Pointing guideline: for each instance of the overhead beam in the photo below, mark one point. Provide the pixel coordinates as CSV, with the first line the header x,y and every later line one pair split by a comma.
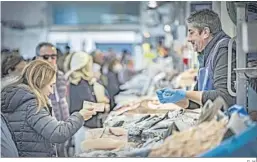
x,y
109,27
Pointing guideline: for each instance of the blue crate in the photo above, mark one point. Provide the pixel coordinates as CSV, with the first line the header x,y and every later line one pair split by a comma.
x,y
242,145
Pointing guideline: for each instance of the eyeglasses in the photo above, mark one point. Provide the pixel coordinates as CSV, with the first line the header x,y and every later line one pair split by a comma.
x,y
46,57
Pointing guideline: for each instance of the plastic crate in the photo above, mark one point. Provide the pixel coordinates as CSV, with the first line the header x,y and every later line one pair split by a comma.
x,y
242,145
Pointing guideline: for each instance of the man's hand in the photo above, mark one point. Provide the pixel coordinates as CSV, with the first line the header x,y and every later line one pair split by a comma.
x,y
183,103
170,95
87,113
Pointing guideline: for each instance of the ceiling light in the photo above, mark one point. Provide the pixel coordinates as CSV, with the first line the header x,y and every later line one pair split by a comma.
x,y
152,4
167,28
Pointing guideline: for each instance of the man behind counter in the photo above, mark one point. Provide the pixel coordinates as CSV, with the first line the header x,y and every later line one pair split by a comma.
x,y
209,40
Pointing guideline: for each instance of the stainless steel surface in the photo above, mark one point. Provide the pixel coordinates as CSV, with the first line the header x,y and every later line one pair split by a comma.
x,y
249,72
232,9
230,44
216,7
212,109
249,39
241,85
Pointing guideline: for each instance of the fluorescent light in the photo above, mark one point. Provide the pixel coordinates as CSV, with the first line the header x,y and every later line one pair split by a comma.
x,y
152,4
167,28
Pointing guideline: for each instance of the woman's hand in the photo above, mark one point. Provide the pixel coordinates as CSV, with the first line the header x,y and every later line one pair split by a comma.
x,y
107,105
107,108
87,113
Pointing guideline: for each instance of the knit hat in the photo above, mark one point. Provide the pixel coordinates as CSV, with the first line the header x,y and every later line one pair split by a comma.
x,y
78,66
77,61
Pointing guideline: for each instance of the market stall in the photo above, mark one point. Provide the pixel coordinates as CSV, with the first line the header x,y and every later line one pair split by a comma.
x,y
172,132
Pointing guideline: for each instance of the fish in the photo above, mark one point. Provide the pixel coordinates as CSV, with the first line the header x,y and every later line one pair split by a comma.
x,y
118,124
163,124
150,134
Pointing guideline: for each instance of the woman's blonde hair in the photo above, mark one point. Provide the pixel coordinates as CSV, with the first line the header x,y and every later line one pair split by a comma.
x,y
37,75
79,66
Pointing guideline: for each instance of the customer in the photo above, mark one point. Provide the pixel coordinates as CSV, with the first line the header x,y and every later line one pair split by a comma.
x,y
12,64
209,40
98,57
46,51
84,87
127,71
8,147
113,84
11,68
27,109
60,60
98,62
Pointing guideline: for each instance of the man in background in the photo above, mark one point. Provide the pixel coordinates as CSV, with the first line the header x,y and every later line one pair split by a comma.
x,y
47,51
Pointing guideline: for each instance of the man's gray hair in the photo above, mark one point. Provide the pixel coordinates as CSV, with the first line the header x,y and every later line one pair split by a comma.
x,y
42,44
205,18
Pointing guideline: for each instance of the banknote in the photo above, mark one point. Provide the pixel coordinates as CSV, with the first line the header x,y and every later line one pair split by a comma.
x,y
99,107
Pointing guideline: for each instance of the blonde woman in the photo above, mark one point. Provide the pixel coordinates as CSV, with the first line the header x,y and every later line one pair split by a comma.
x,y
27,109
84,87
